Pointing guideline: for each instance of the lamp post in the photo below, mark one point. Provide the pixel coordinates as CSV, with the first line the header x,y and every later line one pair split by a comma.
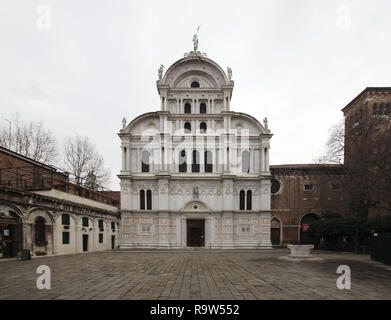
x,y
9,134
357,244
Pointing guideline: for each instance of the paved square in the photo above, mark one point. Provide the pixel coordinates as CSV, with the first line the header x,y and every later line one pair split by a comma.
x,y
195,275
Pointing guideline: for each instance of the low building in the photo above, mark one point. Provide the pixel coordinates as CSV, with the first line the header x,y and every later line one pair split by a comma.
x,y
41,210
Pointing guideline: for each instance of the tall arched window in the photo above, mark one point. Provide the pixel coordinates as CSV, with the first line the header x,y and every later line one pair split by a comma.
x,y
203,107
40,231
142,200
145,161
187,107
246,161
249,199
195,166
242,196
187,127
182,161
208,161
202,127
149,200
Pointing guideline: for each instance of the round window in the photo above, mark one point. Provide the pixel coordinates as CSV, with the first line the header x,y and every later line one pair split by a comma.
x,y
195,84
275,186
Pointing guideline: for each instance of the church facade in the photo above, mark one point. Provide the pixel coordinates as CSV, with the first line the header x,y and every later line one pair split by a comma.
x,y
195,173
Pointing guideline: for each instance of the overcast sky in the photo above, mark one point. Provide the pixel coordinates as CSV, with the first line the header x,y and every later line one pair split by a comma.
x,y
298,62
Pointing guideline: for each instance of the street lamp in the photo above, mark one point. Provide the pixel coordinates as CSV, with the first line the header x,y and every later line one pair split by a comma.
x,y
9,134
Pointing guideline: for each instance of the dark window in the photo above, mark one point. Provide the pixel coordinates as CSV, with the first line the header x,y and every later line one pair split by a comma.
x,y
65,237
275,187
195,166
65,219
100,225
85,222
100,237
40,231
246,161
202,127
182,161
335,186
187,127
187,107
145,161
113,226
249,199
149,200
208,161
195,84
242,196
203,107
142,200
308,187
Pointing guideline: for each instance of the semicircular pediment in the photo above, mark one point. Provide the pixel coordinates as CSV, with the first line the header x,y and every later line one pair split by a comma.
x,y
195,206
210,72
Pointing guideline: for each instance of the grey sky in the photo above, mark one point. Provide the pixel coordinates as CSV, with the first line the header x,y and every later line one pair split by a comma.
x,y
302,61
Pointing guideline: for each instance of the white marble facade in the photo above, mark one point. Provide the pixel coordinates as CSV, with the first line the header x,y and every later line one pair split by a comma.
x,y
195,173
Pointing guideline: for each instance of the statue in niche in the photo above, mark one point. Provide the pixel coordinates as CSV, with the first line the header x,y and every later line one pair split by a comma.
x,y
195,192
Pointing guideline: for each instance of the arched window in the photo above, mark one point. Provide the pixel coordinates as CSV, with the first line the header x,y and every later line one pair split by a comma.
x,y
187,127
142,200
202,127
187,107
246,161
249,199
208,161
182,161
195,84
203,107
242,196
149,200
40,231
145,161
195,166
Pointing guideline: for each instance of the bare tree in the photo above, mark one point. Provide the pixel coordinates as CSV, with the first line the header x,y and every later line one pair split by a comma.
x,y
85,163
31,140
335,145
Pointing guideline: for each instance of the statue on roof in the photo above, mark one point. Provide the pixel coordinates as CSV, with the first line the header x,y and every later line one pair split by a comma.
x,y
195,42
229,71
160,72
123,123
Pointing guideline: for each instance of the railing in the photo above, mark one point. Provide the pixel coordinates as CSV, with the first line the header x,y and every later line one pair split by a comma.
x,y
35,178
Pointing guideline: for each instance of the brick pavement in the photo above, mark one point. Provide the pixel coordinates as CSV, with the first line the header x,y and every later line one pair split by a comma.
x,y
195,275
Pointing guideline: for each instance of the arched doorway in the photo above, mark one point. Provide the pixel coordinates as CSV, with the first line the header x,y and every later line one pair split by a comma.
x,y
275,231
305,222
10,232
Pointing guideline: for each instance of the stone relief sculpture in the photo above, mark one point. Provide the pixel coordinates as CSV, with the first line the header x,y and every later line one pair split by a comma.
x,y
160,72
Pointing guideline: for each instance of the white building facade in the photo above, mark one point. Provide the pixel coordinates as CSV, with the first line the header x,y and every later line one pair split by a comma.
x,y
195,173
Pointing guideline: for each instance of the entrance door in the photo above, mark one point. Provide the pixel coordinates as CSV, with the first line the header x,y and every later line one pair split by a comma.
x,y
275,236
112,242
85,242
9,246
195,233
